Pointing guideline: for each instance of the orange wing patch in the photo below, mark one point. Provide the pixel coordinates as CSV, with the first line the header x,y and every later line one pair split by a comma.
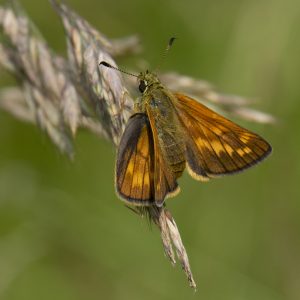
x,y
215,145
134,167
142,178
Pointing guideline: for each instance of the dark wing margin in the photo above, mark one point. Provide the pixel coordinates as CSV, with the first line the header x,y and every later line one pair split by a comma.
x,y
134,165
216,146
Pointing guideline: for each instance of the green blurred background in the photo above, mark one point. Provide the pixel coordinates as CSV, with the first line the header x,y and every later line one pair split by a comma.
x,y
65,235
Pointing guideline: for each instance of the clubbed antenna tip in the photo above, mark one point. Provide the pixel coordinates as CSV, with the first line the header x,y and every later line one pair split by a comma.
x,y
171,41
104,63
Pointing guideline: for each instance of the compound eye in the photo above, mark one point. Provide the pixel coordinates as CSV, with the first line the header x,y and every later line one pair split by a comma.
x,y
142,86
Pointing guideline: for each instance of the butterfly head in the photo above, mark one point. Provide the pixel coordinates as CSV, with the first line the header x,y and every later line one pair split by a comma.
x,y
147,79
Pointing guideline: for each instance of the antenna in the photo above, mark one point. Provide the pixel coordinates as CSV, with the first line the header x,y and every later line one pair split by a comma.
x,y
106,64
170,43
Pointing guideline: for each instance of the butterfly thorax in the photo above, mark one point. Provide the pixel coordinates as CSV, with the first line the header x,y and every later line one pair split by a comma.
x,y
158,103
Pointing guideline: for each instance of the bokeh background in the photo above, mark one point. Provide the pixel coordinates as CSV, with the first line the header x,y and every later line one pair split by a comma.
x,y
65,235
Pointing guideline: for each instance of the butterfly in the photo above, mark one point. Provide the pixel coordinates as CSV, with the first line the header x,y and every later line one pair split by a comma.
x,y
169,132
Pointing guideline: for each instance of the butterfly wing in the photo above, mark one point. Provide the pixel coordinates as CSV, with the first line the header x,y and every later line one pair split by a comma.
x,y
141,177
216,146
135,162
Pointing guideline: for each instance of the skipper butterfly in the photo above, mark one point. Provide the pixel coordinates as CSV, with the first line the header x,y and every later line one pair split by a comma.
x,y
169,132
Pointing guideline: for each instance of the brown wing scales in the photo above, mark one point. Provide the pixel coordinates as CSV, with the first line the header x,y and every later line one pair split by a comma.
x,y
215,145
142,177
134,166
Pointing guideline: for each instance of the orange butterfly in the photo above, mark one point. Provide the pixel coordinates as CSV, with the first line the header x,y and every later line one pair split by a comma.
x,y
169,132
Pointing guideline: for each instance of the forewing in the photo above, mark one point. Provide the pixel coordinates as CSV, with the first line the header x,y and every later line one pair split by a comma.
x,y
214,145
135,162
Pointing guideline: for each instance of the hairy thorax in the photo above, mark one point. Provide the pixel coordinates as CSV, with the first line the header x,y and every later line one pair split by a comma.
x,y
159,105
